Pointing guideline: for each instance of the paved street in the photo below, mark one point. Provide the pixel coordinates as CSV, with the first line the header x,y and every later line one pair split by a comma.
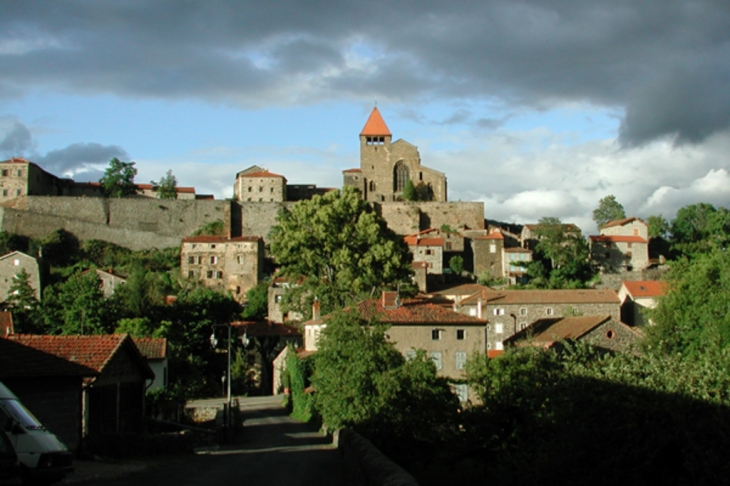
x,y
272,449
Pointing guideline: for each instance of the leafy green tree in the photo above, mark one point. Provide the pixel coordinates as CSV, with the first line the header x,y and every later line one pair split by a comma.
x,y
118,179
424,192
60,248
409,191
141,327
167,187
77,306
10,242
362,381
339,248
609,209
257,302
456,264
658,226
698,228
561,257
23,304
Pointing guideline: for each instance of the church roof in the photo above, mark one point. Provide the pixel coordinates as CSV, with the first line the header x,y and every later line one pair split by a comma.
x,y
375,125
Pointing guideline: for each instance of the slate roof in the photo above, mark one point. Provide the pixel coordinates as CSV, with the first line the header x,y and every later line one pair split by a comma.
x,y
375,125
618,238
152,348
552,329
560,296
94,351
463,289
20,361
645,288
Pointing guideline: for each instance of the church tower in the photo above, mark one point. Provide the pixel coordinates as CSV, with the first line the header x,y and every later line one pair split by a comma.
x,y
375,139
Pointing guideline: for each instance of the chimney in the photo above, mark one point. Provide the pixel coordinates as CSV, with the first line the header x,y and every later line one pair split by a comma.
x,y
315,309
479,308
390,300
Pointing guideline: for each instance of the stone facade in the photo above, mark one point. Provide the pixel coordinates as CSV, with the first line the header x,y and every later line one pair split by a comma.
x,y
428,251
109,282
510,311
623,245
13,264
386,166
233,265
262,186
489,255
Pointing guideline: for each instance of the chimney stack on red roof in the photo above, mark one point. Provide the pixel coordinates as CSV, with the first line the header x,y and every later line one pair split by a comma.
x,y
390,300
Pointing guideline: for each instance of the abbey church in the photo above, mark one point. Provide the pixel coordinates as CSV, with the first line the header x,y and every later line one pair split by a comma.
x,y
387,166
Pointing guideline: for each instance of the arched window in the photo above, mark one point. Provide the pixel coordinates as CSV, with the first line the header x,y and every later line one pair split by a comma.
x,y
400,176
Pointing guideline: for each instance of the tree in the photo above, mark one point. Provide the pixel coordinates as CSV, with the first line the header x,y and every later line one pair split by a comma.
x,y
23,304
167,187
77,306
338,248
658,226
561,256
257,306
698,228
118,179
456,264
608,210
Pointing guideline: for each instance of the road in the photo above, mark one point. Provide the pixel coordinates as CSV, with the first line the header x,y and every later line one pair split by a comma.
x,y
273,449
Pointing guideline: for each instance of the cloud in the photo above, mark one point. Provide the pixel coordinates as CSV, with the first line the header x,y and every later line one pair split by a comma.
x,y
82,159
17,138
663,64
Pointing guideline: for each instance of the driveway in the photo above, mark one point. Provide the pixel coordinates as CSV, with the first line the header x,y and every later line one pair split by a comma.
x,y
272,449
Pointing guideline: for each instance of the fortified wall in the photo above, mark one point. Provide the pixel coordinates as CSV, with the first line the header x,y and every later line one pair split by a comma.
x,y
139,223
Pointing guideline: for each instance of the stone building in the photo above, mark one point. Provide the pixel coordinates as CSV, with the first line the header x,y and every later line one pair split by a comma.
x,y
259,186
638,296
604,332
447,337
233,265
20,177
13,264
427,250
489,255
275,293
109,282
529,238
622,246
386,166
510,311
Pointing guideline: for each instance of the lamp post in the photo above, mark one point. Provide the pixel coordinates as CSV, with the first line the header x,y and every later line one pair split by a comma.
x,y
214,343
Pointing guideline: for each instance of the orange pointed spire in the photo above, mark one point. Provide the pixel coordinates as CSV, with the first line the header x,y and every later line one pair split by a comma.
x,y
375,126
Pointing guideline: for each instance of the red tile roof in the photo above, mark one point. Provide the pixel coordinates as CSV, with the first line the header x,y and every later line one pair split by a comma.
x,y
414,311
264,173
91,351
621,222
646,288
375,125
352,170
417,241
219,239
152,348
494,235
560,296
566,226
618,239
20,361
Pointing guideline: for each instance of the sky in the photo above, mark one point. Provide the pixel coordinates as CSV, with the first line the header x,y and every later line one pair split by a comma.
x,y
536,108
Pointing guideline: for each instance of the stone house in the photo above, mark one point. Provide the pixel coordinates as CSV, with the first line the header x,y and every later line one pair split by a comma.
x,y
427,250
48,385
513,258
233,265
20,177
623,245
510,311
386,167
446,336
113,401
636,297
154,351
603,332
109,281
259,186
275,293
489,255
13,264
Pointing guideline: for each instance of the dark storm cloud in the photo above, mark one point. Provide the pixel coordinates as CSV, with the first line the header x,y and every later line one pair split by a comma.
x,y
665,63
17,139
79,157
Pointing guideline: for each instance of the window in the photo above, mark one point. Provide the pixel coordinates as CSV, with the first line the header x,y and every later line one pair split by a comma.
x,y
435,334
549,311
460,334
460,360
428,252
523,325
492,248
498,312
249,189
239,259
191,274
261,189
271,189
17,192
213,260
448,245
191,259
238,289
498,346
20,174
636,231
400,176
499,328
472,311
213,246
5,192
16,262
5,172
209,274
523,311
278,298
218,274
461,390
437,360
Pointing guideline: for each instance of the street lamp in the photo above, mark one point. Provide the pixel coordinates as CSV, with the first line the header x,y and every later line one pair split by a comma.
x,y
214,343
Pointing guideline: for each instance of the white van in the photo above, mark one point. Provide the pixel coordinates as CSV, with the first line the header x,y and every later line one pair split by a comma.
x,y
43,458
